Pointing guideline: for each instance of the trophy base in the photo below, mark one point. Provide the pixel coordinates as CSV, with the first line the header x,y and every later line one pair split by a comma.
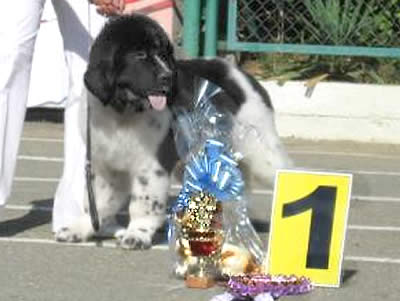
x,y
199,282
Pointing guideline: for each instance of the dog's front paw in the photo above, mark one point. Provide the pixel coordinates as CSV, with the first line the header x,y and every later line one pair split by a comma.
x,y
136,239
67,235
80,230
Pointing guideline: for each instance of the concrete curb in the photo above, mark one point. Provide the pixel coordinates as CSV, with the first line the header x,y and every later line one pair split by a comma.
x,y
337,111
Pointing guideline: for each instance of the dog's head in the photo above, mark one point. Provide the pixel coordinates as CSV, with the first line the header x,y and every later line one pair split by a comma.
x,y
131,65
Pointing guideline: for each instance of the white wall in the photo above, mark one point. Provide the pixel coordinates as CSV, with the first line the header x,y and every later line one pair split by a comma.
x,y
337,111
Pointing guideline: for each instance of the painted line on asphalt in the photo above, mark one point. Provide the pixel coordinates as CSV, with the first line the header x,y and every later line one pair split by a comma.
x,y
368,172
28,207
378,173
373,228
34,139
384,199
300,152
357,172
38,158
34,179
268,192
53,242
372,259
165,247
350,227
343,154
103,244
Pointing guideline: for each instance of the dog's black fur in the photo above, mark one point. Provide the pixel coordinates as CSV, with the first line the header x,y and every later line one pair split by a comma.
x,y
124,50
117,56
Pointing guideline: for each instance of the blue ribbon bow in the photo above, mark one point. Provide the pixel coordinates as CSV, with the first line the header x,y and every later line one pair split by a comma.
x,y
213,170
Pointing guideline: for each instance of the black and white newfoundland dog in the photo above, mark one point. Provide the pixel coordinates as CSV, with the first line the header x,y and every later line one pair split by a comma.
x,y
133,82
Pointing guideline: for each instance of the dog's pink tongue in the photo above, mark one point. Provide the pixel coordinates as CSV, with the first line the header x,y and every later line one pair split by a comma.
x,y
158,102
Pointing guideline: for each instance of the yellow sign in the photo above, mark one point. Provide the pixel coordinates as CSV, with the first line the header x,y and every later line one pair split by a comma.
x,y
308,225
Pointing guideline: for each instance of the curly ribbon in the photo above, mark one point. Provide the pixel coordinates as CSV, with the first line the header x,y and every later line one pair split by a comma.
x,y
213,170
201,122
246,286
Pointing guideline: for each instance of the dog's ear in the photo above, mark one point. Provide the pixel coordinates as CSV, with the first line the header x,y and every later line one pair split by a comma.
x,y
99,80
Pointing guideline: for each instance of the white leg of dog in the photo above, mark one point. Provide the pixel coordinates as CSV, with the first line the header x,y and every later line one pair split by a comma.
x,y
147,208
111,191
79,231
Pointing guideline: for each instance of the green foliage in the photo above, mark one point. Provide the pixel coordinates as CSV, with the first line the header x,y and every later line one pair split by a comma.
x,y
285,67
331,22
339,22
387,23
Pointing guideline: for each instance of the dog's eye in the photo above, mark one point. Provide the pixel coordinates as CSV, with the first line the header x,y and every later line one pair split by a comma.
x,y
140,55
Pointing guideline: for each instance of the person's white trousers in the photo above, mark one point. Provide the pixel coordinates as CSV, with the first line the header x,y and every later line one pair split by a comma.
x,y
19,25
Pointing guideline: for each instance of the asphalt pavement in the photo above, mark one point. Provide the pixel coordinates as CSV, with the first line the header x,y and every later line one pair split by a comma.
x,y
34,267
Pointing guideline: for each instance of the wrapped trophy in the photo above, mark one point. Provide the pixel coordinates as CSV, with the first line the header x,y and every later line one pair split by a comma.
x,y
210,232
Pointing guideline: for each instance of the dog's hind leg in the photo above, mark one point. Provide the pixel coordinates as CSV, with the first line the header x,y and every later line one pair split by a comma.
x,y
147,208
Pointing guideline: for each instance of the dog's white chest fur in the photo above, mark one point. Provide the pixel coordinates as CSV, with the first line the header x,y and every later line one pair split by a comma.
x,y
129,141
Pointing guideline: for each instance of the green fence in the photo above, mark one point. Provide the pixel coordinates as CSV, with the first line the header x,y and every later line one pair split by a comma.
x,y
331,27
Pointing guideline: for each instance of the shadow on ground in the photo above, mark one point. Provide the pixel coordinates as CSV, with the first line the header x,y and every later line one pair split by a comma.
x,y
347,275
32,219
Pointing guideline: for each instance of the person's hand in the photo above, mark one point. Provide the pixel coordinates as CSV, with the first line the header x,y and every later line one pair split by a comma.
x,y
109,7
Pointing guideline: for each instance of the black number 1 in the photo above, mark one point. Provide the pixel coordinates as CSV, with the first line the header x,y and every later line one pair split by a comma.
x,y
322,203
